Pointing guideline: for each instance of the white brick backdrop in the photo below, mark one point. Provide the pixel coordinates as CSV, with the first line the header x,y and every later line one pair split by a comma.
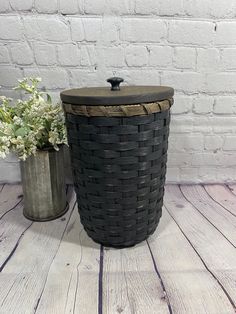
x,y
190,45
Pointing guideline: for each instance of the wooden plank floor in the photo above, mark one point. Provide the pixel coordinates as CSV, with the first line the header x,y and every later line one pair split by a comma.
x,y
187,266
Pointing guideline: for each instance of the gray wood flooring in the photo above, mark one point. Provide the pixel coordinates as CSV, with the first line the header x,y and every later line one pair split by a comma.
x,y
187,266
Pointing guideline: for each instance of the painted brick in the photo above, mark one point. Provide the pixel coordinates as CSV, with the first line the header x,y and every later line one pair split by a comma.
x,y
229,59
188,82
225,34
4,6
230,143
185,58
94,7
181,124
112,56
143,30
175,159
189,142
203,158
11,93
226,175
213,142
45,54
146,7
88,29
173,175
182,104
160,56
119,7
4,55
191,32
52,78
82,78
202,124
203,105
223,124
208,60
10,28
136,56
101,7
21,5
68,55
226,158
9,76
109,31
216,174
43,6
21,53
209,8
92,29
88,55
220,83
138,77
225,105
77,29
44,28
171,7
193,51
189,175
69,7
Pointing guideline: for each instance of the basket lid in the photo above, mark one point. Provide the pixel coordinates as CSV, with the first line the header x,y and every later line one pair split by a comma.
x,y
116,95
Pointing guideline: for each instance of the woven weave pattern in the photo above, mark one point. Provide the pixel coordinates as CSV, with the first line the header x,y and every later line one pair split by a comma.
x,y
119,110
119,167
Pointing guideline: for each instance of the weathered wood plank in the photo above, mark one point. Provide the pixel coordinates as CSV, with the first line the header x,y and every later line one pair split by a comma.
x,y
130,284
232,188
12,227
222,195
10,196
23,278
189,286
218,255
223,220
72,281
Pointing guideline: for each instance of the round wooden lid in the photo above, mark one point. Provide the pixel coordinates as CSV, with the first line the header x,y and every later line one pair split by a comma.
x,y
116,95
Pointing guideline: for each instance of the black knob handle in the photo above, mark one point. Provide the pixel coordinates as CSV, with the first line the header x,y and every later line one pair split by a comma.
x,y
115,82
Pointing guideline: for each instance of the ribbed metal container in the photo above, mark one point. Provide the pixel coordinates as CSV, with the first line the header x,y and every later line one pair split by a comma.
x,y
44,188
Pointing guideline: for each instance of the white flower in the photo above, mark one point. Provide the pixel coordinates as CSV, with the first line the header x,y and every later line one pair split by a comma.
x,y
31,124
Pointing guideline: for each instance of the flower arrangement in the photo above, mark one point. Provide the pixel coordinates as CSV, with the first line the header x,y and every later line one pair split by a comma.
x,y
32,124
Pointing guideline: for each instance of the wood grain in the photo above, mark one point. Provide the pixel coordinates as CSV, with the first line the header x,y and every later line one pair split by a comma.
x,y
189,286
12,228
187,266
232,188
10,196
223,196
130,284
24,276
72,281
217,254
223,220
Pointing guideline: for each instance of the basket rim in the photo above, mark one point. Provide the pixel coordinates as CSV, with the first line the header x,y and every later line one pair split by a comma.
x,y
118,110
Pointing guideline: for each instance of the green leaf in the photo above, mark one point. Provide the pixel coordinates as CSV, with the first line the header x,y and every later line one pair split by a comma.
x,y
21,132
49,99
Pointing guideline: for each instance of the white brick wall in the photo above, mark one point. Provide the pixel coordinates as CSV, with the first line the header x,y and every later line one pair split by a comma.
x,y
187,44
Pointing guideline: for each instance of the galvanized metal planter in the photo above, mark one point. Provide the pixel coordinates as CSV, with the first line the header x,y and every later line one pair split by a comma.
x,y
44,188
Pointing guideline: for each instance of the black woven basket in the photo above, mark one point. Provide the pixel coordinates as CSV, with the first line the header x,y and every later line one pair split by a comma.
x,y
119,167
